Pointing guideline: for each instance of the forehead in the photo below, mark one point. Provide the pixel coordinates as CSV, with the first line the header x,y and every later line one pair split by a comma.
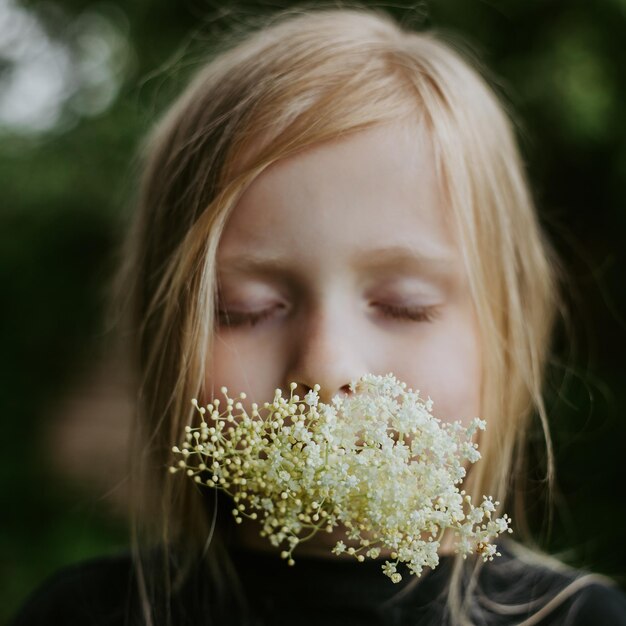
x,y
372,189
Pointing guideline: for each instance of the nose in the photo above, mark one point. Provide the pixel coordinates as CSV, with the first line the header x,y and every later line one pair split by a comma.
x,y
326,351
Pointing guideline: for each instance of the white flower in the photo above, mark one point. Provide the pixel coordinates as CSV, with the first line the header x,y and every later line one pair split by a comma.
x,y
311,398
488,504
476,515
389,568
376,461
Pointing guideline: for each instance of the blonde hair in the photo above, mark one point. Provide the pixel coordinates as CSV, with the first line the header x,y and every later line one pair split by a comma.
x,y
306,77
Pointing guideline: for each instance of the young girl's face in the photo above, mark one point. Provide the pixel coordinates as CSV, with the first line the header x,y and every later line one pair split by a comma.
x,y
339,261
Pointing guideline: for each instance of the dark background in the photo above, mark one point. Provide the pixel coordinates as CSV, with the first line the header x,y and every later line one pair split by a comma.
x,y
80,83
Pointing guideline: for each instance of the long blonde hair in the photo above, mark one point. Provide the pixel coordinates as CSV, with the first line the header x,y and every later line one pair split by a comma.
x,y
305,77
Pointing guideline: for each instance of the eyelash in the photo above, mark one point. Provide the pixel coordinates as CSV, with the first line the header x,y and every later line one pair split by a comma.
x,y
417,314
242,319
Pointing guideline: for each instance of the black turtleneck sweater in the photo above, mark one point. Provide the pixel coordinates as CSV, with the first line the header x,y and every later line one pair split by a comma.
x,y
328,592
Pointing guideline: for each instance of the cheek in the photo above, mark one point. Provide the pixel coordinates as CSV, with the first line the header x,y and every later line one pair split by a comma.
x,y
460,396
461,375
446,367
242,365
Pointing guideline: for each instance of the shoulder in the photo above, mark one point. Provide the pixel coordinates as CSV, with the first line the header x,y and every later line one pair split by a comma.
x,y
550,591
92,592
597,603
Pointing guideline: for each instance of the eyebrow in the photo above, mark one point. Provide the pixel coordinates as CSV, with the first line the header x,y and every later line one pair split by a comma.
x,y
436,262
432,261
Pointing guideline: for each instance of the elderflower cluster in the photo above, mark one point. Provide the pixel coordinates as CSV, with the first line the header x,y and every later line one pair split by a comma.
x,y
377,461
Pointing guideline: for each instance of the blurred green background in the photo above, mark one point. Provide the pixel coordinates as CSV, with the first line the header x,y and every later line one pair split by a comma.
x,y
80,83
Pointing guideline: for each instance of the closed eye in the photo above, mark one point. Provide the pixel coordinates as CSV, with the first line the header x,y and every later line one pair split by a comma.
x,y
236,318
414,314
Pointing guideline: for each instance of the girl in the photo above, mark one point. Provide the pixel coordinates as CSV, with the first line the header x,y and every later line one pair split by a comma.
x,y
332,195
